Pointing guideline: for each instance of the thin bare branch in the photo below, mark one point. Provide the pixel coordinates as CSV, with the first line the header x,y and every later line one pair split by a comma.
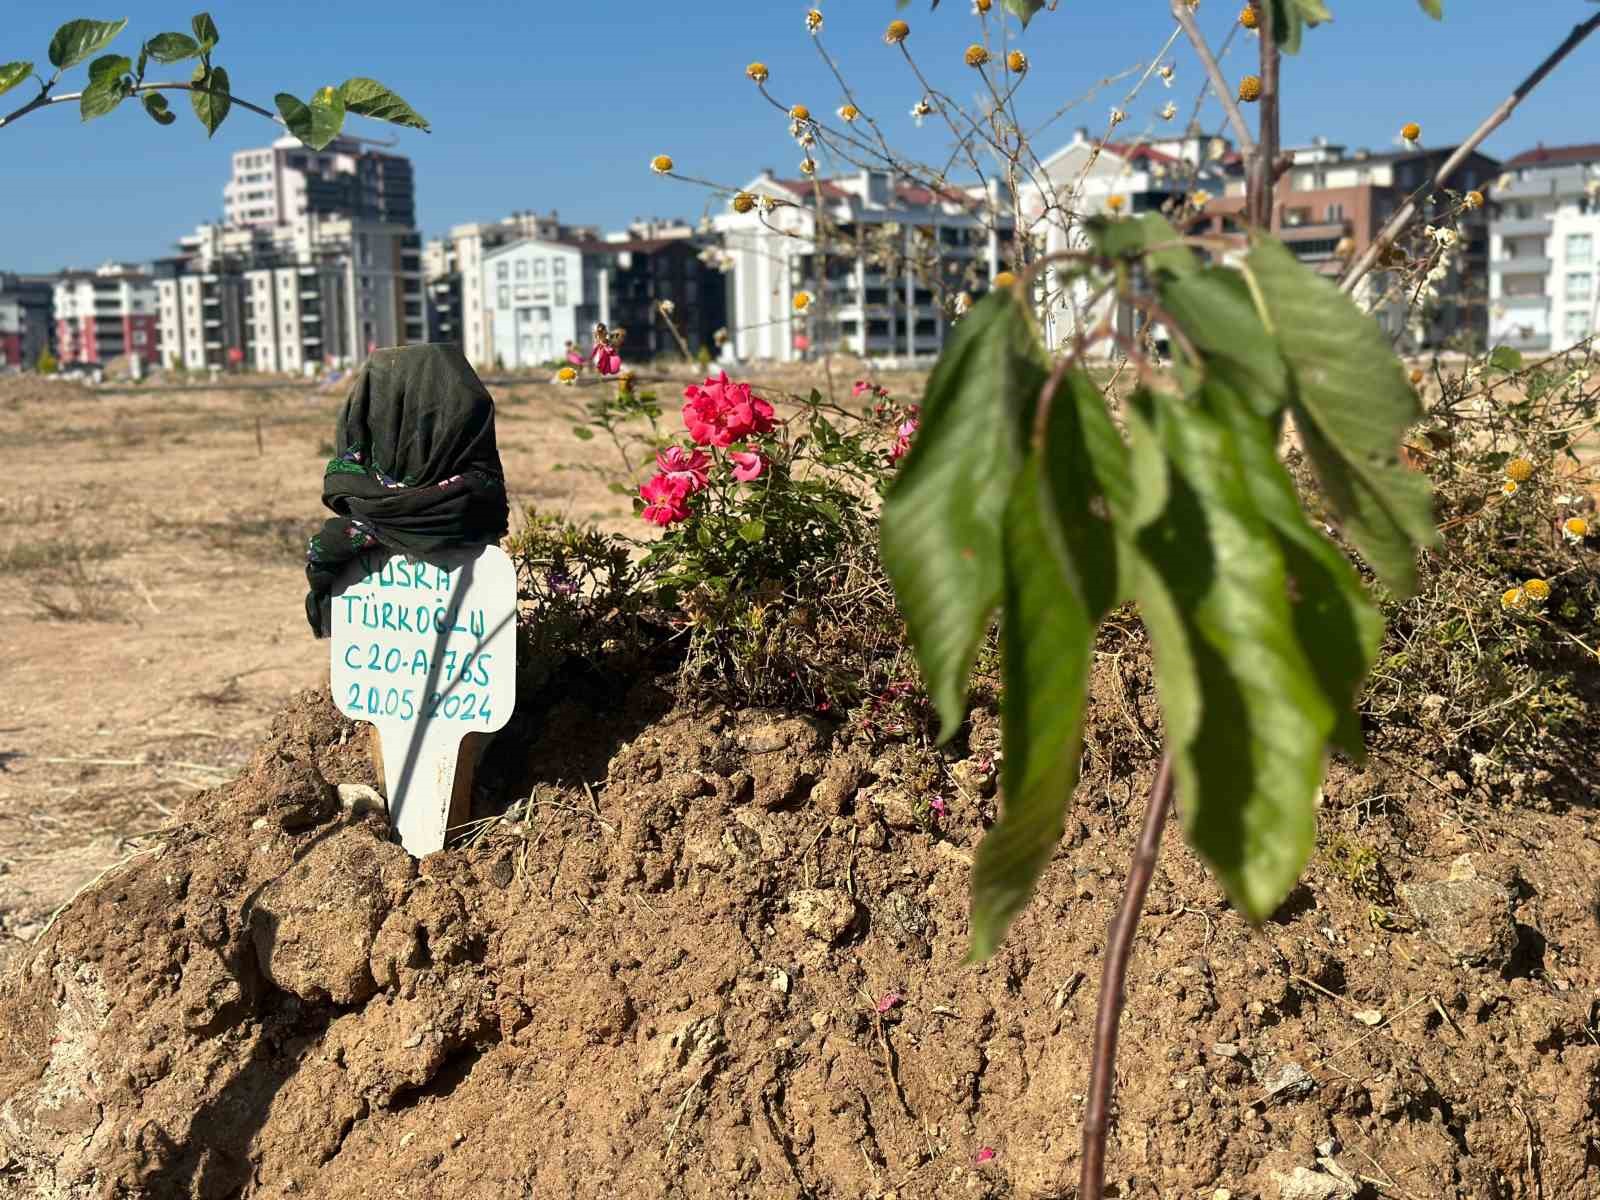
x,y
1391,229
1185,17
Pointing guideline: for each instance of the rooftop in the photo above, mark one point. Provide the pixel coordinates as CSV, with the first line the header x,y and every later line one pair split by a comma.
x,y
1556,156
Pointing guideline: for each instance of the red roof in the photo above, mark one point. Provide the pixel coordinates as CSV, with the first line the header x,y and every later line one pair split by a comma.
x,y
803,187
1555,156
1134,153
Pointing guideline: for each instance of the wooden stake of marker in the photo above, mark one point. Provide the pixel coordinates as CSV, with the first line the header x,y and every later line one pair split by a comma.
x,y
426,652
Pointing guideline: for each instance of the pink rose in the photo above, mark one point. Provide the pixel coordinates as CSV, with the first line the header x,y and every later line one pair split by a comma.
x,y
606,360
667,500
986,1154
720,412
684,466
747,465
902,441
887,1001
574,357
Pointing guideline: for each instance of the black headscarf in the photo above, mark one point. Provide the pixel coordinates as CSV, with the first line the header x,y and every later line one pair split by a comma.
x,y
416,468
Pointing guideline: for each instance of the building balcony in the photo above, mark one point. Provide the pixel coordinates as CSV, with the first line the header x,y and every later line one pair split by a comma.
x,y
1310,230
1519,266
1527,189
1540,303
1530,227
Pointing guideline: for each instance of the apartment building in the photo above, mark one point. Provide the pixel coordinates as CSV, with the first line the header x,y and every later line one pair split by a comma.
x,y
318,263
542,295
278,184
1086,178
104,314
454,272
884,259
27,324
1330,194
1544,237
326,292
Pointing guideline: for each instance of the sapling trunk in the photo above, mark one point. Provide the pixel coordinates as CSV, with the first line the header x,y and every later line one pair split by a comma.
x,y
1113,975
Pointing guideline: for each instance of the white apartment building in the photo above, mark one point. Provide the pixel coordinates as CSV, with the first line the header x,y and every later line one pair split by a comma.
x,y
1080,181
326,292
277,185
463,311
105,314
1544,247
540,296
893,258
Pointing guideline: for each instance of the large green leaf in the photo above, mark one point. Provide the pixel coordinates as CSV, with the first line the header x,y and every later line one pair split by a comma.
x,y
1338,626
1289,17
1245,721
1433,8
172,47
1214,310
316,124
942,516
1062,575
369,98
211,104
13,73
1352,404
205,31
78,40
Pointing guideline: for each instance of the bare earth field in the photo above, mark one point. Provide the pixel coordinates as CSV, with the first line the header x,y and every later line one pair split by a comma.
x,y
151,586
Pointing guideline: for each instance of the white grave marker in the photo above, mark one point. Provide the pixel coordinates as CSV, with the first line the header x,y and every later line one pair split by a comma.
x,y
427,652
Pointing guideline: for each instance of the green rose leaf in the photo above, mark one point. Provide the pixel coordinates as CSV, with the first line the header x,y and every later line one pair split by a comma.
x,y
77,40
1351,404
1063,573
212,101
205,32
156,105
1147,236
369,98
753,531
943,514
1245,719
13,73
172,47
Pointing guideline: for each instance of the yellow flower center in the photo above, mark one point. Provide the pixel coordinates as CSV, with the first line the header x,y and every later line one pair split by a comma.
x,y
1017,62
743,202
1536,590
661,164
1250,89
1577,527
1248,17
1411,131
566,374
802,301
1115,203
976,55
897,32
849,112
1005,279
1519,469
800,113
757,71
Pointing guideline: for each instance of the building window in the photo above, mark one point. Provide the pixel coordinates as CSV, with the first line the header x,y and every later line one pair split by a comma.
x,y
540,268
1524,212
1580,285
1577,324
1580,249
1335,212
561,293
503,297
558,267
502,271
522,268
522,291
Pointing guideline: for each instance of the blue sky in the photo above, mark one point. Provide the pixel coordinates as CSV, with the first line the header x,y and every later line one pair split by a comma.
x,y
561,105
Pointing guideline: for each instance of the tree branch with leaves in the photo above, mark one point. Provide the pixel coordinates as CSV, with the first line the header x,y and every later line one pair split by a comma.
x,y
114,78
